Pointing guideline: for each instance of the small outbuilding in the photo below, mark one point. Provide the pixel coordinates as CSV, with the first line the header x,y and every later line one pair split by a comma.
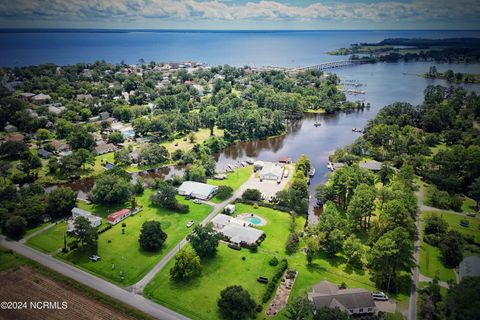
x,y
271,171
94,220
372,165
116,217
230,209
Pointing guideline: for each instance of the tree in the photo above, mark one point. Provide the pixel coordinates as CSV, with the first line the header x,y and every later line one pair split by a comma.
x,y
451,248
224,192
362,205
462,299
61,201
299,309
475,191
204,240
209,115
196,172
152,153
152,236
63,128
327,313
138,187
111,188
116,138
187,265
81,138
303,165
165,197
85,233
252,194
353,250
83,157
15,227
390,255
122,157
292,243
13,149
43,134
428,301
235,303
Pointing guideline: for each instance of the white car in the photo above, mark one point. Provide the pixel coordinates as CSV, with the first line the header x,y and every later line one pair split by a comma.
x,y
190,223
378,295
94,258
196,201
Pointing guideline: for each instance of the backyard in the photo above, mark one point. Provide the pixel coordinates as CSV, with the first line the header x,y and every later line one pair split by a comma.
x,y
228,268
122,251
430,264
234,180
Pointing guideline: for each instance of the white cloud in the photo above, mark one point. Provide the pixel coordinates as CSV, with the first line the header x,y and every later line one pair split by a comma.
x,y
94,10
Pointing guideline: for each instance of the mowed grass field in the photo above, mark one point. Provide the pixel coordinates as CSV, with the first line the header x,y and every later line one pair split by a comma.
x,y
200,295
430,263
122,251
50,240
234,180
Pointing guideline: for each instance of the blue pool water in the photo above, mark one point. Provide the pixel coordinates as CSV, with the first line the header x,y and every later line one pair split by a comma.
x,y
253,220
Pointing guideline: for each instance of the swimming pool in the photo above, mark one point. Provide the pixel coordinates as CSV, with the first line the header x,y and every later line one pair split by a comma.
x,y
253,220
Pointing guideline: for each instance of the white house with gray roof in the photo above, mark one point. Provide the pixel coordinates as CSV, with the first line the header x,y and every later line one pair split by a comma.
x,y
470,267
236,230
197,190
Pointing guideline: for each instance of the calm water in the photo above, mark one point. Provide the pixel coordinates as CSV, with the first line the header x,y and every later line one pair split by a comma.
x,y
383,83
283,48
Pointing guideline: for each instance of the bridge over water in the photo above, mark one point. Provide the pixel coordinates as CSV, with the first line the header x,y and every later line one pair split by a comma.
x,y
330,65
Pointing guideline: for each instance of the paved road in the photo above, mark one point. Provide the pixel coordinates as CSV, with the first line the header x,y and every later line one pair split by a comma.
x,y
217,207
105,287
412,307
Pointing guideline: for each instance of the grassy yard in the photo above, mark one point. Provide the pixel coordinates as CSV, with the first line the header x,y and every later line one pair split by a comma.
x,y
50,240
234,179
34,229
113,245
430,264
228,268
119,250
183,143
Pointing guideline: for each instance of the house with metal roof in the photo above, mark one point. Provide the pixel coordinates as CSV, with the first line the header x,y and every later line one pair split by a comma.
x,y
351,301
197,190
94,220
271,171
236,230
117,216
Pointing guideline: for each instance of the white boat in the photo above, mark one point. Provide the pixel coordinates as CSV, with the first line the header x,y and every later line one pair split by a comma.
x,y
311,173
249,161
330,166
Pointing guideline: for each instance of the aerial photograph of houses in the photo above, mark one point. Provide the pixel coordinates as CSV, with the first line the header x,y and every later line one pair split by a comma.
x,y
240,159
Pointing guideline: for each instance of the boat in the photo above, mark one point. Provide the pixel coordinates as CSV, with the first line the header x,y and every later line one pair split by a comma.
x,y
244,164
308,180
317,124
249,161
330,166
311,173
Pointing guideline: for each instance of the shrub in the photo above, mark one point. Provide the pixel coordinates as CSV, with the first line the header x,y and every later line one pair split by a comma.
x,y
273,262
433,239
224,192
243,258
183,208
104,229
292,243
252,194
258,308
255,206
253,248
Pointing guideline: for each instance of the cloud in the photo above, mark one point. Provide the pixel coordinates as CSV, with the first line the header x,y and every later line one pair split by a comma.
x,y
215,10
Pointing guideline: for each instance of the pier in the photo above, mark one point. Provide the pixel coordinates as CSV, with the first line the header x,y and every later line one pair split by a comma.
x,y
330,65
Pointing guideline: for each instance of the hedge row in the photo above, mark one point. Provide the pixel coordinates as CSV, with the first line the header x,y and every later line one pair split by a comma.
x,y
276,278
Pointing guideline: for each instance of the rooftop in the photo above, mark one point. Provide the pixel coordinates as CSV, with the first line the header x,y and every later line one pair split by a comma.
x,y
117,214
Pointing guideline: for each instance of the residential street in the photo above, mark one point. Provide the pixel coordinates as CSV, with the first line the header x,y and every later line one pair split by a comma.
x,y
412,308
105,287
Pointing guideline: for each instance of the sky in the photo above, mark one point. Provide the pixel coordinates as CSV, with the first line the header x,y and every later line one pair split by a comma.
x,y
241,14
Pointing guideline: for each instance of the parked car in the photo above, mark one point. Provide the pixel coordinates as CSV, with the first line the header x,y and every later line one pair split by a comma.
x,y
264,196
464,223
279,180
197,201
378,295
285,174
271,198
94,258
190,223
471,214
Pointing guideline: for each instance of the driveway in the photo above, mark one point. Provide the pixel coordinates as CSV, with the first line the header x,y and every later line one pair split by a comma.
x,y
386,306
268,187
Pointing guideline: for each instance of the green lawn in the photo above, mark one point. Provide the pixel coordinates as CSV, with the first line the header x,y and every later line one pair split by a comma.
x,y
430,264
34,229
113,245
234,179
50,240
199,296
468,205
183,142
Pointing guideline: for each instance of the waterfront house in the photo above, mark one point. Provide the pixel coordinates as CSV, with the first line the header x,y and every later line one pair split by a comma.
x,y
271,171
354,301
27,96
197,190
10,128
56,110
42,153
372,165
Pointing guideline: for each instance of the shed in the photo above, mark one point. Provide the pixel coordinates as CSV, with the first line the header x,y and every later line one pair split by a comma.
x,y
372,165
271,172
